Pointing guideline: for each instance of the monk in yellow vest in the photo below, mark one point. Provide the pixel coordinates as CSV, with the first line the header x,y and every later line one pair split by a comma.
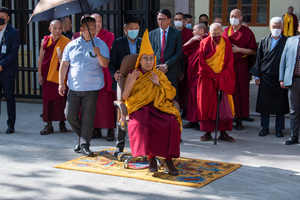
x,y
154,125
51,50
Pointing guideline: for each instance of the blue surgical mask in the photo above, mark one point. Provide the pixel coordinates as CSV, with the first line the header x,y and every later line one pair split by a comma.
x,y
189,26
132,34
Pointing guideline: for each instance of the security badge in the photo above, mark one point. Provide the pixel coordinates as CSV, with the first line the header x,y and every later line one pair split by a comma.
x,y
3,49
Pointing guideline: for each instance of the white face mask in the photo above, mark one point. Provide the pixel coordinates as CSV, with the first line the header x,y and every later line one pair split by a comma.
x,y
276,32
234,21
178,24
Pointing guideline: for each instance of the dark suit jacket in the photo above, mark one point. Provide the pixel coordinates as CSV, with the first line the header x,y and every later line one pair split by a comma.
x,y
120,49
9,60
172,52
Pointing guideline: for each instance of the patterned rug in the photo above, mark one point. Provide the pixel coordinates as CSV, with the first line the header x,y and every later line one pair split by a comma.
x,y
192,172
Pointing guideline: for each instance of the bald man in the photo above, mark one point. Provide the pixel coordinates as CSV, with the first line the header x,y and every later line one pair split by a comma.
x,y
215,74
66,24
191,50
105,111
244,48
48,65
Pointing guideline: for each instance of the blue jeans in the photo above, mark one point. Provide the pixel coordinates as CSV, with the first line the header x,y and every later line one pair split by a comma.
x,y
279,123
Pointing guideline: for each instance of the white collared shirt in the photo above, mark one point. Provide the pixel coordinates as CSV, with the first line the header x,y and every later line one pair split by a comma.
x,y
2,33
162,33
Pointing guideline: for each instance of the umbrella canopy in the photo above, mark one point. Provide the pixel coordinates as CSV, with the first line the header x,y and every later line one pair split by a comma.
x,y
54,9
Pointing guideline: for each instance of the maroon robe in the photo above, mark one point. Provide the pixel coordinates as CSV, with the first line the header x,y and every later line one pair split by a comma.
x,y
149,136
53,104
243,38
192,52
207,90
183,89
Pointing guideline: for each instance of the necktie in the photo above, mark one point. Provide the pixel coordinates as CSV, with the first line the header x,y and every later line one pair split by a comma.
x,y
163,44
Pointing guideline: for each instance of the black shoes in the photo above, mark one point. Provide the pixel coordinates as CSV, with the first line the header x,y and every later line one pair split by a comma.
x,y
87,152
264,132
191,125
248,119
97,133
279,133
77,148
110,134
119,150
292,140
10,129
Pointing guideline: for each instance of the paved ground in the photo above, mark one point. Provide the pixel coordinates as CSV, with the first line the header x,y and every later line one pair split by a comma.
x,y
271,170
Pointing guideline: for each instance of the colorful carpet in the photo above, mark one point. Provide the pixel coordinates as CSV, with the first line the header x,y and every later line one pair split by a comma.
x,y
192,172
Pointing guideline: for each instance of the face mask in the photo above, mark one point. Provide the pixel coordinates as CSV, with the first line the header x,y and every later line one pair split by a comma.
x,y
234,21
189,26
178,24
206,23
276,32
216,39
133,34
2,21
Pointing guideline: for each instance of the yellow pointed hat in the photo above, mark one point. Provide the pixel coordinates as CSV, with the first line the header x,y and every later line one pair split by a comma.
x,y
145,48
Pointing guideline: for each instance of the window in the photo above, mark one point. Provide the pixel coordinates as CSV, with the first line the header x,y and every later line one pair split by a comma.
x,y
255,12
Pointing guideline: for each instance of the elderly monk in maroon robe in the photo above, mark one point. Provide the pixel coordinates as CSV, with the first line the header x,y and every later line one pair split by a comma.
x,y
215,73
183,91
48,67
105,110
243,46
191,50
154,122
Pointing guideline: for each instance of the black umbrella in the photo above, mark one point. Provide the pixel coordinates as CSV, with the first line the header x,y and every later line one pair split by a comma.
x,y
54,9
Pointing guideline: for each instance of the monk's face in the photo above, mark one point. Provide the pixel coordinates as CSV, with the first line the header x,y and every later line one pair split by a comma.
x,y
163,21
147,62
178,21
187,21
290,10
237,15
85,32
98,20
219,20
55,29
197,31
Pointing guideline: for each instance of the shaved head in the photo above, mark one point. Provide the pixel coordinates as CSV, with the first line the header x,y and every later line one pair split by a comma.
x,y
201,25
55,22
215,29
55,29
98,20
236,12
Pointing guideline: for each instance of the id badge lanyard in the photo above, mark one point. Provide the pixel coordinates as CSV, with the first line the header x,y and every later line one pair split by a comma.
x,y
3,47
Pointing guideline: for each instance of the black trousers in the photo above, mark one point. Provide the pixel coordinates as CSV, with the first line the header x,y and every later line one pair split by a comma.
x,y
86,100
8,86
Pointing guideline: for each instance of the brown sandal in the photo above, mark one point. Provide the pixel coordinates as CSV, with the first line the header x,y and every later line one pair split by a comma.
x,y
206,136
226,137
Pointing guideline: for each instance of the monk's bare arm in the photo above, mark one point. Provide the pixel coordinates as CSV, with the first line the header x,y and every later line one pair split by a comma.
x,y
40,60
62,74
131,79
236,49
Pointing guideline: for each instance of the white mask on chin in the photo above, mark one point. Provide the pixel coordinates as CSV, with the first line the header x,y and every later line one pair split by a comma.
x,y
234,21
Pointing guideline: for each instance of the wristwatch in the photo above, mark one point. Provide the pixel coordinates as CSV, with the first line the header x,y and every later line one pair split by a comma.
x,y
165,67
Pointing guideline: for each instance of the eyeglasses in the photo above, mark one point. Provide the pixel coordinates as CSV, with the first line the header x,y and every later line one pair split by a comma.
x,y
146,59
162,19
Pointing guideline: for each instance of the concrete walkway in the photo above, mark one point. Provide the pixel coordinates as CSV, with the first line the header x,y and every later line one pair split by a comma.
x,y
271,170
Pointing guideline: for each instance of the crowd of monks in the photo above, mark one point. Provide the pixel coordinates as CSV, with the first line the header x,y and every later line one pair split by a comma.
x,y
213,85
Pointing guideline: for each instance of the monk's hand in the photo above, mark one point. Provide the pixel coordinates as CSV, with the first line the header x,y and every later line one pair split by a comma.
x,y
182,76
282,85
59,56
1,69
135,76
96,51
235,49
197,37
162,68
61,89
41,80
117,75
257,82
154,78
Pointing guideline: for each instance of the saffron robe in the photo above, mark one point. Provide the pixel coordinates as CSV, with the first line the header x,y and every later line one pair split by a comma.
x,y
243,38
183,89
53,103
105,116
271,98
295,24
192,52
209,82
154,123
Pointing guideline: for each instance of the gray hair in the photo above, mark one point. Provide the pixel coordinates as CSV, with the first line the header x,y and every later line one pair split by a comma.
x,y
276,20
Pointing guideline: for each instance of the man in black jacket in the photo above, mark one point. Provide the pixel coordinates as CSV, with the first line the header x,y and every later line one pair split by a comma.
x,y
166,42
128,44
9,45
